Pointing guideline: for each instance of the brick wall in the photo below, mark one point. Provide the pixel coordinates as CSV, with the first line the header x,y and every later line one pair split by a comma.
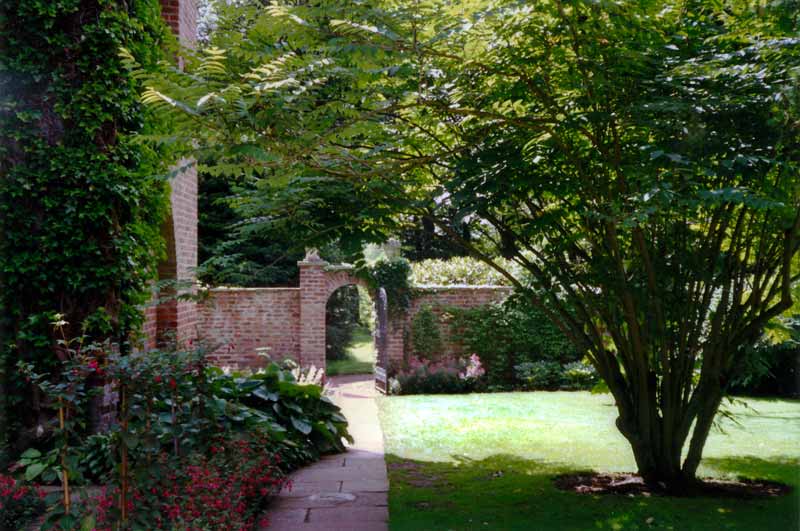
x,y
183,200
181,16
288,321
178,318
291,321
150,328
237,321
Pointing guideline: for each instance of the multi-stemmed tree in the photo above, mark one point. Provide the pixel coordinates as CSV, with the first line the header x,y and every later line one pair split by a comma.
x,y
639,161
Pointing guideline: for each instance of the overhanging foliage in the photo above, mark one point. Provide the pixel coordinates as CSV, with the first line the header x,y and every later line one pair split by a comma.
x,y
638,161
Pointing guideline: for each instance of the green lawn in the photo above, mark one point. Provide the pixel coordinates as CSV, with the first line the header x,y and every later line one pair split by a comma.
x,y
485,461
360,355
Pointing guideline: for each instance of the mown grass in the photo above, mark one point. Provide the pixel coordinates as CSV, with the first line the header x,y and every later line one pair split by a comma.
x,y
487,461
360,355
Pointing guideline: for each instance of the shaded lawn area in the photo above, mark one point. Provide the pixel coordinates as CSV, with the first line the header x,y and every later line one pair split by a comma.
x,y
360,355
486,461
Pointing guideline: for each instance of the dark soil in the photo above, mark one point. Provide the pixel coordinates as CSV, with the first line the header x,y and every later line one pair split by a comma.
x,y
633,485
413,475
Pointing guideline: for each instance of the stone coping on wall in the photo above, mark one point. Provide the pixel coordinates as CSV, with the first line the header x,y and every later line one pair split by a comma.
x,y
429,287
339,267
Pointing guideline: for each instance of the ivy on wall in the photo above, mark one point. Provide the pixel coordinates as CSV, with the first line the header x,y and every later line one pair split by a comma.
x,y
394,276
81,200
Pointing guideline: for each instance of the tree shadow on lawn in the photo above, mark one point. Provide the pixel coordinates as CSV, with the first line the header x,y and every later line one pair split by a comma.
x,y
783,469
504,492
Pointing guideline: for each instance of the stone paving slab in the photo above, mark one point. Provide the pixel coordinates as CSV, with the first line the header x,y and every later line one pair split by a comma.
x,y
286,518
365,485
345,492
334,499
308,488
346,473
337,516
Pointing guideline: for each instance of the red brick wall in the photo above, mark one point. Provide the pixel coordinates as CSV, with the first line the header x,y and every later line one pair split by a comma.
x,y
313,298
176,317
183,200
291,321
150,328
237,321
181,16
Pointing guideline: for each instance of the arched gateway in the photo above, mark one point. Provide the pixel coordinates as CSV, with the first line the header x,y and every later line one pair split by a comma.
x,y
318,281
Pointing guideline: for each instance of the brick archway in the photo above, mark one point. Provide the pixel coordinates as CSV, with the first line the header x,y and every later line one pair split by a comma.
x,y
318,281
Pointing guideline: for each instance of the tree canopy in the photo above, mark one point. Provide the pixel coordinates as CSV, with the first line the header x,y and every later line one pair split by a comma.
x,y
637,160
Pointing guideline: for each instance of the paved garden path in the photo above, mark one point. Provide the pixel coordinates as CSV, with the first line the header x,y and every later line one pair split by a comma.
x,y
345,492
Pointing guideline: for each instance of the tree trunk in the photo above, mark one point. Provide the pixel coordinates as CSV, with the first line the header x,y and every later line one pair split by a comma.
x,y
658,457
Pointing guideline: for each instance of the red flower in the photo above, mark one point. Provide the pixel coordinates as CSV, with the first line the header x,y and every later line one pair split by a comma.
x,y
157,378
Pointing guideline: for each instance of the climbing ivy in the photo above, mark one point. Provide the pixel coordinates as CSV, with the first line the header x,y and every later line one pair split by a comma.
x,y
394,277
81,198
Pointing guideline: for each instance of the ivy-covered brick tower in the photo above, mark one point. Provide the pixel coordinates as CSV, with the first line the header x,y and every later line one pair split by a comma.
x,y
81,202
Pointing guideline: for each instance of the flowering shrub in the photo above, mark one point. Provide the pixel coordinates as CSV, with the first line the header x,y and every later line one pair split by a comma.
x,y
474,369
193,447
444,377
19,504
226,490
223,490
508,334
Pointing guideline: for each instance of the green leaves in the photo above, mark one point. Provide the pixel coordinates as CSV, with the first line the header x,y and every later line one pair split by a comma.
x,y
81,203
301,425
33,471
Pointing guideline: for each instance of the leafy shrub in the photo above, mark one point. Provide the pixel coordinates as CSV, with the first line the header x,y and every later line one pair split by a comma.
x,y
579,376
540,375
426,337
366,311
508,334
552,375
769,370
457,271
97,458
272,400
426,381
341,319
19,504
